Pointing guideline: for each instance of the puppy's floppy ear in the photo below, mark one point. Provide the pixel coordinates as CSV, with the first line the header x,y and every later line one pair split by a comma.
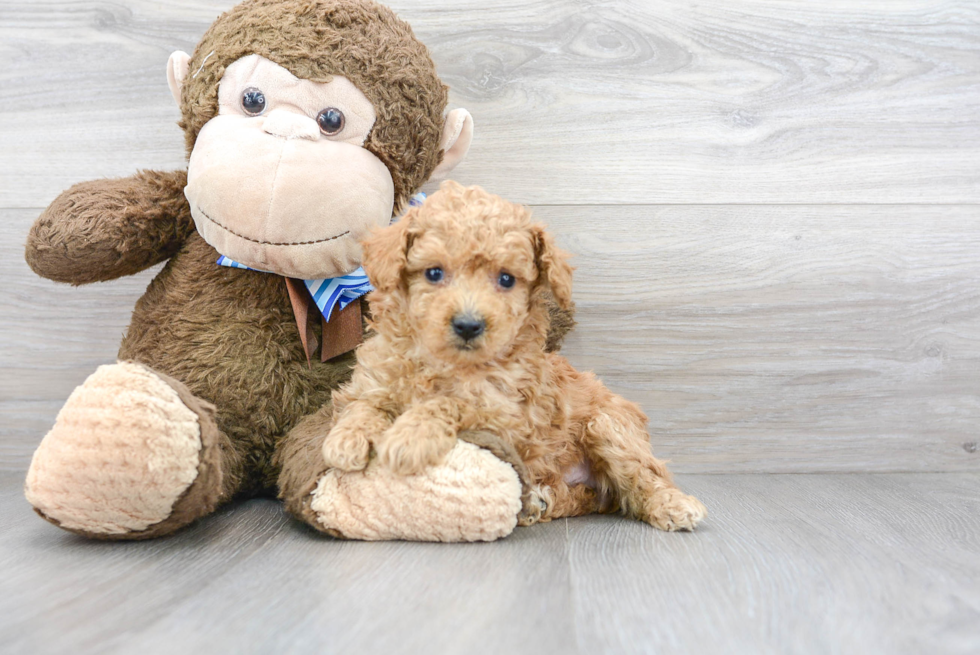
x,y
553,266
386,253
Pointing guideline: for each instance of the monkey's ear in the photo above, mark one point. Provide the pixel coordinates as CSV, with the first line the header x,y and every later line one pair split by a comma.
x,y
386,253
457,135
553,266
176,72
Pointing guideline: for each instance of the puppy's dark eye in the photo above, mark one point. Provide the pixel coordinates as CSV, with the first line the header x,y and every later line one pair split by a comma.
x,y
330,120
253,101
506,280
434,274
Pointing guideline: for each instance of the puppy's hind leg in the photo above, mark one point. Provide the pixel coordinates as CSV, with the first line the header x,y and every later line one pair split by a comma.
x,y
617,440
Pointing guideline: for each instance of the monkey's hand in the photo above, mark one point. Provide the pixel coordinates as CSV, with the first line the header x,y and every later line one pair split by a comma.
x,y
104,229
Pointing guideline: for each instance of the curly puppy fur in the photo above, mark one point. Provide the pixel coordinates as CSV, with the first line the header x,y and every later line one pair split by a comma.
x,y
422,378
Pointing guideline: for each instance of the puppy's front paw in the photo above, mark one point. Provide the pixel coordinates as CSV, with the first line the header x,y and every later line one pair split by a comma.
x,y
408,451
671,509
346,449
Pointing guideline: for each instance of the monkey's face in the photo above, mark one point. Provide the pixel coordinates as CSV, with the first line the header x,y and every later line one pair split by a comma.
x,y
279,180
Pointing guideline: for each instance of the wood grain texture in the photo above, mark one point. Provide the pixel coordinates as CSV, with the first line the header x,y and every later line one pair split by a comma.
x,y
784,339
784,564
790,564
774,211
575,101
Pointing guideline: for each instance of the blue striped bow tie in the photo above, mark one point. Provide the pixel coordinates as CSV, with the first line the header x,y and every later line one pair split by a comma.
x,y
327,293
332,292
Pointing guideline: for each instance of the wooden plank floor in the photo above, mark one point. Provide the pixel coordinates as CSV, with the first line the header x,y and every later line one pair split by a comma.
x,y
886,563
774,208
789,339
576,101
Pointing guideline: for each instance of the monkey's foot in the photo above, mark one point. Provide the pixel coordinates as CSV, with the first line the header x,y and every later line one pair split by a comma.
x,y
470,496
133,454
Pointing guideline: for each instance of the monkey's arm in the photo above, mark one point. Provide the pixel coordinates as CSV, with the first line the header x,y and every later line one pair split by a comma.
x,y
104,229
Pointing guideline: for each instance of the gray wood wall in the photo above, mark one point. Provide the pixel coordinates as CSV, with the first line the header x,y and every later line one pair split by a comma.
x,y
773,205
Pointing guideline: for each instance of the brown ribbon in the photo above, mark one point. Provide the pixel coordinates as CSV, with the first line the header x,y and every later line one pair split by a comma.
x,y
340,335
343,332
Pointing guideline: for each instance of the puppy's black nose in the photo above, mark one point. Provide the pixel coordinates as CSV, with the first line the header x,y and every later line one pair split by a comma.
x,y
468,326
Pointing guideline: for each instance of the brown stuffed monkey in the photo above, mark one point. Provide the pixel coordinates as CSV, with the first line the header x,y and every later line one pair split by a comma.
x,y
307,123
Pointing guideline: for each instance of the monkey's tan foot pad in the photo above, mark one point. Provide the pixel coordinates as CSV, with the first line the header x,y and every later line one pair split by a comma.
x,y
124,450
471,496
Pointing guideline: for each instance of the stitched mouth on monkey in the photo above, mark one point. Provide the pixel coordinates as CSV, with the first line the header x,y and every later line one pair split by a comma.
x,y
271,188
275,211
270,243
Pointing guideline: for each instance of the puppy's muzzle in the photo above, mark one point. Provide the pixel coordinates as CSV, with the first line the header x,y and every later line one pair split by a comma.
x,y
468,327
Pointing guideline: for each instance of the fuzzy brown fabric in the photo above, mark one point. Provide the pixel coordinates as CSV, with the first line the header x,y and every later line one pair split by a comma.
x,y
219,474
227,337
227,334
230,336
561,323
300,461
317,39
104,229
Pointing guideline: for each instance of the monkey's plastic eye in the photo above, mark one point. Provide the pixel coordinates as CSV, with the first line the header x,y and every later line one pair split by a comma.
x,y
253,101
434,274
330,120
506,280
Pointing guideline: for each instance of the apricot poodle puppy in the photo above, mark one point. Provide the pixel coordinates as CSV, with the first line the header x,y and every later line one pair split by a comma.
x,y
460,315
